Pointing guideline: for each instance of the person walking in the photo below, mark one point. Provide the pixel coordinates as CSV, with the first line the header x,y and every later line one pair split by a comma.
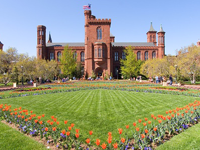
x,y
170,79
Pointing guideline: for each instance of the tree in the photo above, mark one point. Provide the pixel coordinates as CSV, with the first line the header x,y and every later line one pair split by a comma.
x,y
130,65
7,62
188,62
68,62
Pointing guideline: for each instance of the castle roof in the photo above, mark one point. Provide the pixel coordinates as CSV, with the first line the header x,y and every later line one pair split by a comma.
x,y
111,35
151,28
50,39
0,42
114,44
64,44
133,44
161,28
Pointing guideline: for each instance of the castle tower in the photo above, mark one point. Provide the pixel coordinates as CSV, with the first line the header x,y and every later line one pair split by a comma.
x,y
1,46
41,42
50,39
161,43
151,35
198,43
97,45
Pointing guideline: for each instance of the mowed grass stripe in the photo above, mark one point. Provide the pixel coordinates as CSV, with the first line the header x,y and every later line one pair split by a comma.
x,y
99,110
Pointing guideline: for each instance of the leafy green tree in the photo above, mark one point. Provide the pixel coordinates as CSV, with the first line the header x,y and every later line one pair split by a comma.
x,y
68,62
130,66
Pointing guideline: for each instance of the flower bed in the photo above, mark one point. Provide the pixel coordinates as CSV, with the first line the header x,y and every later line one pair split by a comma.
x,y
31,89
147,133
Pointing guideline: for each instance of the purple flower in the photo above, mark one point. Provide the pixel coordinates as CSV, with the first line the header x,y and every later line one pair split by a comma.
x,y
61,134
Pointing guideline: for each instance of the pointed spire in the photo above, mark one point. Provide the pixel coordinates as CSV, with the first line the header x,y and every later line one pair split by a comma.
x,y
151,28
161,28
50,40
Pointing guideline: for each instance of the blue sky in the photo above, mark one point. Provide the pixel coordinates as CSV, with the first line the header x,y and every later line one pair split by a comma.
x,y
130,20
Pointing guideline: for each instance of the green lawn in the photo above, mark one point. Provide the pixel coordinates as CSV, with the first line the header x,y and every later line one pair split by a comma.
x,y
100,110
188,140
11,139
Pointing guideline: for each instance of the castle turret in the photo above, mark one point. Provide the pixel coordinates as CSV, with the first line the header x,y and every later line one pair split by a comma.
x,y
161,43
41,42
50,39
1,46
151,35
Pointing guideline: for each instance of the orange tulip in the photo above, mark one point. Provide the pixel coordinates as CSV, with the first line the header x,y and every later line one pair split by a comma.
x,y
72,125
48,121
123,140
88,141
164,118
46,129
97,142
39,117
31,112
182,115
127,126
149,122
40,122
69,128
115,145
65,122
146,131
139,120
77,130
142,135
63,131
58,122
120,131
170,111
137,129
51,123
166,112
26,119
178,114
103,146
144,124
145,119
54,128
192,112
134,124
43,115
186,111
154,118
160,121
52,117
109,133
109,140
67,133
152,115
172,115
90,132
155,129
77,135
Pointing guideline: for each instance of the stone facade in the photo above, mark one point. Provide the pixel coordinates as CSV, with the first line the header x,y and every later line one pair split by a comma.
x,y
100,53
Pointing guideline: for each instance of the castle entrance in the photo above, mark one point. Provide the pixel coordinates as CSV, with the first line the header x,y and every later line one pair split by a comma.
x,y
99,71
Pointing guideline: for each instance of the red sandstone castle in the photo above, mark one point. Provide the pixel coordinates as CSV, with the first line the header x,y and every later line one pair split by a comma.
x,y
100,53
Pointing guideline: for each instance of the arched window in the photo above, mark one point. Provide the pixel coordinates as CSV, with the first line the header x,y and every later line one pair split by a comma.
x,y
58,56
99,52
103,52
116,56
99,33
139,55
123,55
75,55
82,56
95,53
153,54
51,56
146,55
150,38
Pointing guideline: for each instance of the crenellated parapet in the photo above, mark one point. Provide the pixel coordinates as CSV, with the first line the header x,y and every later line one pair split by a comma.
x,y
96,21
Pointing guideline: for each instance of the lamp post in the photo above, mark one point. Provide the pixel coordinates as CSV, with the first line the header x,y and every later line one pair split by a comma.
x,y
22,75
176,72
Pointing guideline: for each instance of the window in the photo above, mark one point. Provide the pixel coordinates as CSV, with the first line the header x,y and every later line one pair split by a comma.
x,y
51,56
123,55
42,32
82,70
139,55
116,56
154,38
153,54
99,33
82,56
99,52
75,55
95,53
146,56
59,56
150,38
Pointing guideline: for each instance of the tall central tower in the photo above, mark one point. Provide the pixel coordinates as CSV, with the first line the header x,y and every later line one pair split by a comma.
x,y
97,45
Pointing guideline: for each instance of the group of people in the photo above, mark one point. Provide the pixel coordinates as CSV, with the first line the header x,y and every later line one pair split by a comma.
x,y
160,79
